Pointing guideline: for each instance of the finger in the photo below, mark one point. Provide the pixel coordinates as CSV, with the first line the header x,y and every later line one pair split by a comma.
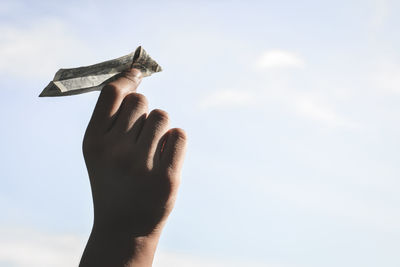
x,y
111,97
154,128
133,107
173,152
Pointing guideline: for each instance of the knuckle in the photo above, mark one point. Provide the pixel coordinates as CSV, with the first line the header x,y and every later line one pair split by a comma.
x,y
136,100
147,166
159,114
142,165
90,147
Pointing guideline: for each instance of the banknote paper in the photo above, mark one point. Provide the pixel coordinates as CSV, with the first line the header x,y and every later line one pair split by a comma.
x,y
94,77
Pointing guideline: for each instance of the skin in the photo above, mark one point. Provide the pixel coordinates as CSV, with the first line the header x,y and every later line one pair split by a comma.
x,y
134,163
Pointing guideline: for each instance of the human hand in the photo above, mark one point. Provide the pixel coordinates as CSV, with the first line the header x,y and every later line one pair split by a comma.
x,y
134,164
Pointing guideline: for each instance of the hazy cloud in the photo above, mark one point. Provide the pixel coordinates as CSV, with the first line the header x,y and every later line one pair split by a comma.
x,y
387,78
381,12
30,248
228,99
309,106
38,49
167,259
339,202
7,7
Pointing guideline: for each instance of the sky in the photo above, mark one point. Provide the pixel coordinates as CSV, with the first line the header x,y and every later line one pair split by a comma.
x,y
291,110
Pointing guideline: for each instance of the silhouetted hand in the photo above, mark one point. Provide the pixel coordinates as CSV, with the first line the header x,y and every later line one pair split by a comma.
x,y
134,165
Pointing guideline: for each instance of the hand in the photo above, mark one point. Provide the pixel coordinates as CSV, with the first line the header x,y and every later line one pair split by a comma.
x,y
134,165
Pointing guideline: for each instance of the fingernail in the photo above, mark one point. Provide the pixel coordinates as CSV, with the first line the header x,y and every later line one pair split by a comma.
x,y
136,73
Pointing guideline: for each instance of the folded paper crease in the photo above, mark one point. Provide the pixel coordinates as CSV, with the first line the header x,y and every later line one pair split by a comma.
x,y
94,77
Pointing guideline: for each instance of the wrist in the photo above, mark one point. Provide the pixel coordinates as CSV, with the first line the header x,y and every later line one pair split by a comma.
x,y
114,247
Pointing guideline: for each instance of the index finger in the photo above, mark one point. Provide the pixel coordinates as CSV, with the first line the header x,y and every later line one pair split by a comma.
x,y
111,97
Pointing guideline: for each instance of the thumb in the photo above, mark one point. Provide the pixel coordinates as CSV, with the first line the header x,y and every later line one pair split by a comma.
x,y
111,97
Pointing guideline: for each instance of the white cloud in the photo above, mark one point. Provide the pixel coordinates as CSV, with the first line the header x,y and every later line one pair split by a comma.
x,y
387,78
311,107
228,99
168,259
282,88
39,49
308,106
27,248
380,14
341,203
279,59
30,248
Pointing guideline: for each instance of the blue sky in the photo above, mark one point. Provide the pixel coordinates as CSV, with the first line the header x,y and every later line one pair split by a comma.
x,y
291,110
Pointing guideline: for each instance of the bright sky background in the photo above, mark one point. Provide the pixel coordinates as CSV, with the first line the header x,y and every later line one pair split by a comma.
x,y
291,108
